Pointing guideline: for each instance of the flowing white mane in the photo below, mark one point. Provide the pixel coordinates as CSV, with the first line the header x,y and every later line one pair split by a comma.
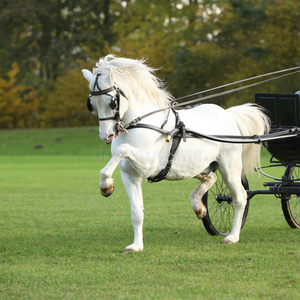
x,y
136,75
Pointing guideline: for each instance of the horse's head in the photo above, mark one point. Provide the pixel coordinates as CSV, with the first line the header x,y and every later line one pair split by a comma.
x,y
106,101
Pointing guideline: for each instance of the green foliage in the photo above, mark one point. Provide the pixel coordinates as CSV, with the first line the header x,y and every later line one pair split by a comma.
x,y
59,239
18,103
259,37
194,44
65,104
48,36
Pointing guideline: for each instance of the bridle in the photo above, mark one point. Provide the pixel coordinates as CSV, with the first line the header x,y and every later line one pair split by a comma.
x,y
114,103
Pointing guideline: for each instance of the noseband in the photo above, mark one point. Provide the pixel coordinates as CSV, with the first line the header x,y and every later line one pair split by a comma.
x,y
114,103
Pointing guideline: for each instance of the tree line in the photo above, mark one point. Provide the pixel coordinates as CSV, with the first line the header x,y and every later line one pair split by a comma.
x,y
194,44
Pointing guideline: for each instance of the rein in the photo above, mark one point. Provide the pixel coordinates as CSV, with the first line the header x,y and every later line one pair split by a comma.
x,y
235,89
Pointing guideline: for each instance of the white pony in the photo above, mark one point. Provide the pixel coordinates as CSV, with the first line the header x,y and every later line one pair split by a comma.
x,y
122,90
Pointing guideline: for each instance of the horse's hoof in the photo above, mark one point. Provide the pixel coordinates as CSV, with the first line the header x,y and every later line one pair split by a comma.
x,y
230,240
133,248
129,251
107,191
201,213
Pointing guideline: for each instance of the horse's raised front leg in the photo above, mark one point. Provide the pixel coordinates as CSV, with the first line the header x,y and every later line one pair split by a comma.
x,y
133,185
139,159
207,180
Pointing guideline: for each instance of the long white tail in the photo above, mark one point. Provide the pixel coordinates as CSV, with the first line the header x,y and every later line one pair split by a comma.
x,y
251,120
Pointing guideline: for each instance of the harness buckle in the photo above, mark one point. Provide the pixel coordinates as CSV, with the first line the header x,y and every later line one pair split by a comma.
x,y
121,127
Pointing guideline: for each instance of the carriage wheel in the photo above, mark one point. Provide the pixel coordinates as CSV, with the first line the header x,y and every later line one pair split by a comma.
x,y
291,205
220,208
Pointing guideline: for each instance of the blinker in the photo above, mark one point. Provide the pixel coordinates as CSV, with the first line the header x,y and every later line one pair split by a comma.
x,y
114,101
89,104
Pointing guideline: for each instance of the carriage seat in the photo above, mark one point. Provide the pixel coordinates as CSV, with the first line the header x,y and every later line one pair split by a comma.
x,y
284,112
283,109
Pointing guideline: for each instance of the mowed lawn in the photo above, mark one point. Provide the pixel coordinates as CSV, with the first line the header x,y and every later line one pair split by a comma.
x,y
60,239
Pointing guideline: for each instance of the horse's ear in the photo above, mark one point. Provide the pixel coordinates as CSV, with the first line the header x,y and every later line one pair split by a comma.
x,y
87,74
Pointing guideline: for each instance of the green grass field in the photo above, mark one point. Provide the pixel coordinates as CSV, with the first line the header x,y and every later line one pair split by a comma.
x,y
60,239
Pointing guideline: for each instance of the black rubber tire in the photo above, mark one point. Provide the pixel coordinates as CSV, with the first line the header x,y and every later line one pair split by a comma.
x,y
220,209
291,204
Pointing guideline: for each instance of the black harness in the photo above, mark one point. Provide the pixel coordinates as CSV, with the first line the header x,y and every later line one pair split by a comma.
x,y
177,134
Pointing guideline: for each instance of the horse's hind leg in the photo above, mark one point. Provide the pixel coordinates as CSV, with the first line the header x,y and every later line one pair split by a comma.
x,y
207,180
239,196
234,183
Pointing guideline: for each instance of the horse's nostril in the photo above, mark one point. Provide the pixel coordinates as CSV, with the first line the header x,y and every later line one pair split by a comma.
x,y
110,137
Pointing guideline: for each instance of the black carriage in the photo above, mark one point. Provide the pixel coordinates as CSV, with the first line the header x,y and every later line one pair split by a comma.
x,y
284,112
